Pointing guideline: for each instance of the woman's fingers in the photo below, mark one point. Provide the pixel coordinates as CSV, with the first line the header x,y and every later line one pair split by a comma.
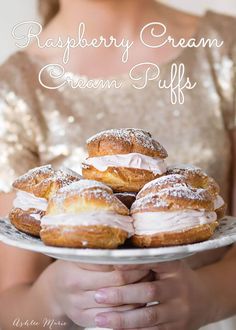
x,y
97,268
86,318
138,318
142,292
166,326
90,280
86,301
137,293
161,268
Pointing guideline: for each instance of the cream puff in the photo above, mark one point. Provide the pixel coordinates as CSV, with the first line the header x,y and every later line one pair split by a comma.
x,y
198,179
86,214
125,159
167,214
173,180
33,191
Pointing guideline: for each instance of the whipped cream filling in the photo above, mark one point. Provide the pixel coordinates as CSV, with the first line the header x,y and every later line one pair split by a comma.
x,y
218,202
150,223
36,217
26,201
109,219
132,160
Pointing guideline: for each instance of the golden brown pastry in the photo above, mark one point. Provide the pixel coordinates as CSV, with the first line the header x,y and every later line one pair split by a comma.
x,y
220,207
167,213
86,214
161,183
125,159
33,191
198,179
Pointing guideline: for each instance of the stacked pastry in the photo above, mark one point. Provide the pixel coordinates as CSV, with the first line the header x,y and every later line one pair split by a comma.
x,y
124,159
127,192
86,214
169,211
198,179
34,189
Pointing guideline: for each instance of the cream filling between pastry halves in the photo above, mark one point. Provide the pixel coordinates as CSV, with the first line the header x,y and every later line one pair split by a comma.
x,y
218,202
132,160
109,219
26,201
150,223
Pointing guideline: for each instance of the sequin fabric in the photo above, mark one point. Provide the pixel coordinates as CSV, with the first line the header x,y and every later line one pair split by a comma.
x,y
39,126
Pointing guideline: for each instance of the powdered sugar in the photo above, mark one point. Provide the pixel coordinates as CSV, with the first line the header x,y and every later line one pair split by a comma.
x,y
46,170
186,192
99,193
65,177
185,168
171,179
64,172
177,192
126,194
88,192
47,173
128,134
119,134
85,189
78,186
149,201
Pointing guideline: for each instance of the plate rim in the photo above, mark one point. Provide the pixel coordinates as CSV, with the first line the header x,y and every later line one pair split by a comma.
x,y
120,253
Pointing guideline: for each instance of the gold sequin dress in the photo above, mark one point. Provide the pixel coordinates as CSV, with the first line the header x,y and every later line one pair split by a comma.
x,y
39,126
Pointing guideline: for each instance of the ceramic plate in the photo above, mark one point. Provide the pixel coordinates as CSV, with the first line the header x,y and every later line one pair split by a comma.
x,y
224,235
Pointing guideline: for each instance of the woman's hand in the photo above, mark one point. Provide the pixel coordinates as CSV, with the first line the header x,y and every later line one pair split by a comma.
x,y
184,301
73,288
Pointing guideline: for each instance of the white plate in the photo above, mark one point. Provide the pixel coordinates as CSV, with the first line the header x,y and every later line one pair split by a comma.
x,y
224,235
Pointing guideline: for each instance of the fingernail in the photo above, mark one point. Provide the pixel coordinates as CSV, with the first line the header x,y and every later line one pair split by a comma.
x,y
100,321
100,296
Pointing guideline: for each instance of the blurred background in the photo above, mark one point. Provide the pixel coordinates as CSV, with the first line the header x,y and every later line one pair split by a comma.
x,y
15,11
